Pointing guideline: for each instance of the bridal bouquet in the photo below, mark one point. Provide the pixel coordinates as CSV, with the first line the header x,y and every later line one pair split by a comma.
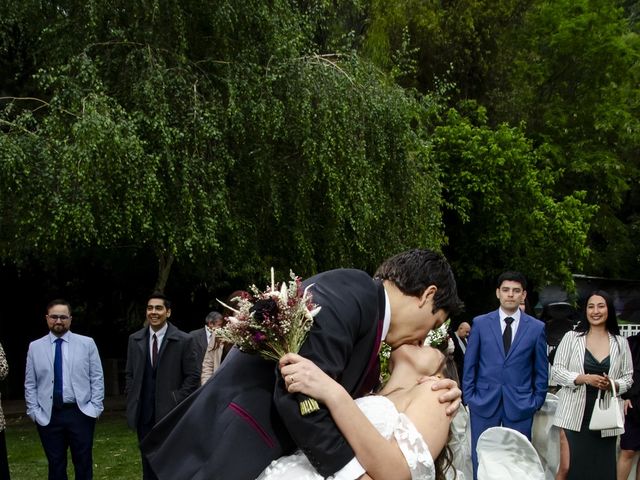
x,y
272,322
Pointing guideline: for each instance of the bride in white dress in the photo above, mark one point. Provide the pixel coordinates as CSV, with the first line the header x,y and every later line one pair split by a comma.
x,y
395,434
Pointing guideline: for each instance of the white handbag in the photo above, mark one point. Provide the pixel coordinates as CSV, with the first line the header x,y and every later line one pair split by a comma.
x,y
606,415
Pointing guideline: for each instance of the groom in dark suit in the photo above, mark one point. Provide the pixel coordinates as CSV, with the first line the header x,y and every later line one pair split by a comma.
x,y
505,366
244,418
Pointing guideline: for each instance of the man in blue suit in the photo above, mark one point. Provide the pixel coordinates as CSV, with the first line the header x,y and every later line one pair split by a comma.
x,y
505,366
64,391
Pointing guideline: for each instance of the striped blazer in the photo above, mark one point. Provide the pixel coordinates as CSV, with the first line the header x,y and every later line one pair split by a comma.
x,y
569,363
4,370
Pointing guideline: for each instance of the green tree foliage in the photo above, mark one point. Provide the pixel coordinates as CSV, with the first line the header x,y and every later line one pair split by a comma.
x,y
94,171
567,70
453,41
235,135
571,73
213,135
331,154
501,208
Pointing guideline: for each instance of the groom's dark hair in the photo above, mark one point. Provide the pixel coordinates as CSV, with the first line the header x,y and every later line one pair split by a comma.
x,y
413,271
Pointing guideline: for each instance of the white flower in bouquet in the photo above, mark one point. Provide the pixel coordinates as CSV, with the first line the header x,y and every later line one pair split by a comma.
x,y
436,338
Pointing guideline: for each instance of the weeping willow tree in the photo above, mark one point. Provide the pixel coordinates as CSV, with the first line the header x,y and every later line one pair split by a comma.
x,y
219,136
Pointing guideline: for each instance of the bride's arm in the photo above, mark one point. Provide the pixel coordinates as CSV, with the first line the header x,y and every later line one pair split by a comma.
x,y
381,458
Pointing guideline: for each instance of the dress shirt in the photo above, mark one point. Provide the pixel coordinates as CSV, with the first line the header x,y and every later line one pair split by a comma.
x,y
353,469
514,324
386,322
159,337
463,345
68,396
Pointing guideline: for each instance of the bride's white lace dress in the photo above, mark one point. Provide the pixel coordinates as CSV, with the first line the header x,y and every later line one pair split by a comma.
x,y
389,422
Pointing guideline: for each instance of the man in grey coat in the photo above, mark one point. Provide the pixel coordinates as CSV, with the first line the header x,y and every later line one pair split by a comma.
x,y
161,371
202,336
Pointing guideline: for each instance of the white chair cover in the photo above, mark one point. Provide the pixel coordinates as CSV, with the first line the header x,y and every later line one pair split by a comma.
x,y
505,454
545,437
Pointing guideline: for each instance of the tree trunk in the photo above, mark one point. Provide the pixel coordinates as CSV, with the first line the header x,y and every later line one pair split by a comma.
x,y
165,261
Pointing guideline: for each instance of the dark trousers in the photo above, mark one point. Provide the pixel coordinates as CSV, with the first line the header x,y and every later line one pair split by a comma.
x,y
4,463
147,472
69,428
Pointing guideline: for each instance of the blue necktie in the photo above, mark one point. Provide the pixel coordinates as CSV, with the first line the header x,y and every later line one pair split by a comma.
x,y
57,375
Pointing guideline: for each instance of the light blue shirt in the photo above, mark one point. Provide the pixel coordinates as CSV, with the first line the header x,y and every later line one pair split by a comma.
x,y
68,395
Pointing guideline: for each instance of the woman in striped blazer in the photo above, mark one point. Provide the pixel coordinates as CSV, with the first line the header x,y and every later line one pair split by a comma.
x,y
587,360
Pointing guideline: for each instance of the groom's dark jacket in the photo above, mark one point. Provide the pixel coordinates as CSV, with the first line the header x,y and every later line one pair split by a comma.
x,y
243,418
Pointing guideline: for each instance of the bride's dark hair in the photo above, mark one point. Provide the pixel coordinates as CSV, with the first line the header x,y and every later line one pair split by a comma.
x,y
444,461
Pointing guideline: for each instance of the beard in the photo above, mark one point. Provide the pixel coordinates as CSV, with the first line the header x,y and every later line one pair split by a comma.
x,y
59,329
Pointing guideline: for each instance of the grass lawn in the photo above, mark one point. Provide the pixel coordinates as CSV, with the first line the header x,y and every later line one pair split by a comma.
x,y
115,450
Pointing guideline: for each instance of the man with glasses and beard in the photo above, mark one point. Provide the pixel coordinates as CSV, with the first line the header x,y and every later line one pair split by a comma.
x,y
64,391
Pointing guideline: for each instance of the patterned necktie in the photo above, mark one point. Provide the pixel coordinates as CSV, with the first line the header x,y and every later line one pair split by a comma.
x,y
506,335
154,351
57,374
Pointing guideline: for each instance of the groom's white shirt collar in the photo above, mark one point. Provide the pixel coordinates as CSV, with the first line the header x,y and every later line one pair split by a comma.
x,y
386,323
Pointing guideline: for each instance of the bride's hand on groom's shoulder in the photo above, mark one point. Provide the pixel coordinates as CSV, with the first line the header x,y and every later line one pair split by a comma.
x,y
303,376
451,393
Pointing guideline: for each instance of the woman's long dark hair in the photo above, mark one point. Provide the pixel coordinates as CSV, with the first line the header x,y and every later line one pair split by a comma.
x,y
612,319
444,461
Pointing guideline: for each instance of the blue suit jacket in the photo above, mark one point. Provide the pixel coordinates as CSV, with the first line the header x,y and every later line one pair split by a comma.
x,y
519,379
86,377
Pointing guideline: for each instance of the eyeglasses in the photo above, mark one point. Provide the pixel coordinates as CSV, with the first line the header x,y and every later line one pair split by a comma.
x,y
59,317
